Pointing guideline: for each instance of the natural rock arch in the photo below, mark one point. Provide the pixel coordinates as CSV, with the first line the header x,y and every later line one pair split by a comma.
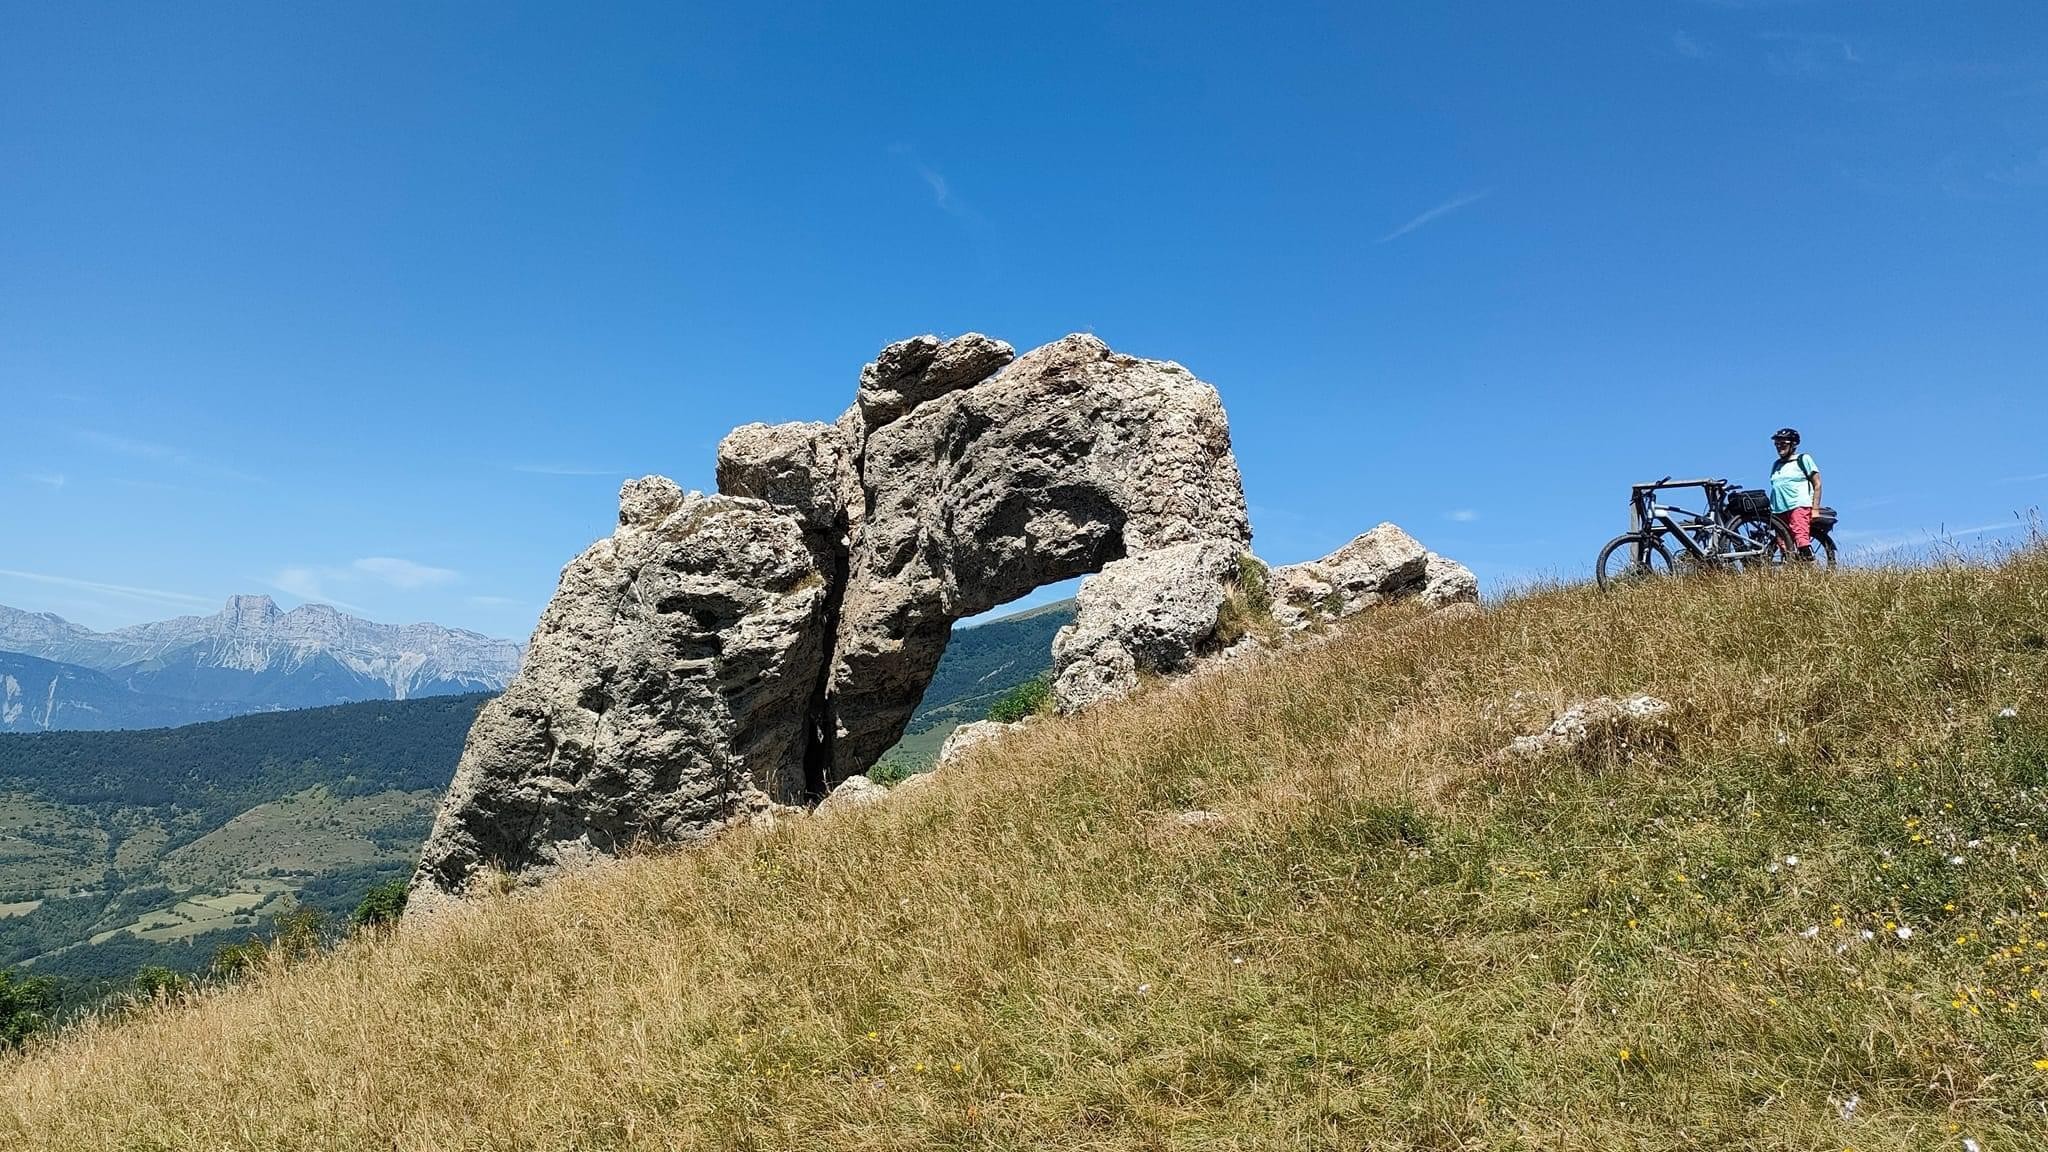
x,y
720,654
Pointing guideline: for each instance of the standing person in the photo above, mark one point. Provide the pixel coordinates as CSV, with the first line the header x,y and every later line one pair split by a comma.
x,y
1795,489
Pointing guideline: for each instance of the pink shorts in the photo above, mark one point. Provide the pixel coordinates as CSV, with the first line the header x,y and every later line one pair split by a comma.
x,y
1800,521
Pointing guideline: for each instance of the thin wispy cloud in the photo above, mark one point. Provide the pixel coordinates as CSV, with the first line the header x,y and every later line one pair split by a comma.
x,y
400,573
50,480
126,591
1807,54
1462,515
319,582
942,193
162,454
565,470
944,196
310,584
124,446
1690,46
491,601
1437,213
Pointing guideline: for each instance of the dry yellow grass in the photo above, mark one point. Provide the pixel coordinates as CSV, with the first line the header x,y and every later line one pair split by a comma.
x,y
1389,941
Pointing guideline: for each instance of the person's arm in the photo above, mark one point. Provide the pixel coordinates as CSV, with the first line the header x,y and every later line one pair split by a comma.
x,y
1816,491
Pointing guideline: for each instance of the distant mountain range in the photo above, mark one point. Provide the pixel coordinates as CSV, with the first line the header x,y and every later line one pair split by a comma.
x,y
249,657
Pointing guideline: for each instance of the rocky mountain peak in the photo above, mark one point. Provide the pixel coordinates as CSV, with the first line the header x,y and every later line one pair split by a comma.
x,y
309,656
247,612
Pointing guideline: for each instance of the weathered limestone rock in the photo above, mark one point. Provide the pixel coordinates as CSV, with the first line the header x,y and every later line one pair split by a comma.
x,y
1152,613
910,372
1634,719
854,792
668,683
974,732
1066,460
1446,582
1376,566
808,468
1382,565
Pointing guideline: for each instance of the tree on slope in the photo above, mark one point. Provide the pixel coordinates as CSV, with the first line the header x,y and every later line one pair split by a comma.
x,y
26,1005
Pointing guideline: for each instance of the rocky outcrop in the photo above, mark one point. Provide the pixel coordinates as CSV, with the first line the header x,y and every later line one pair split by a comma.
x,y
972,734
1068,459
853,792
721,657
1383,565
669,679
1152,614
1446,582
1639,721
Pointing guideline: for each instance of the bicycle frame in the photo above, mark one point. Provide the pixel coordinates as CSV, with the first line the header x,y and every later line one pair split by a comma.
x,y
1647,516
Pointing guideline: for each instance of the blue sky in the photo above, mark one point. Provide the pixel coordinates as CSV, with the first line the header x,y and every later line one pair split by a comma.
x,y
377,303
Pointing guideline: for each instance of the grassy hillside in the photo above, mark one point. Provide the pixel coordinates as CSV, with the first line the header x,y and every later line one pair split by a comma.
x,y
1813,920
119,849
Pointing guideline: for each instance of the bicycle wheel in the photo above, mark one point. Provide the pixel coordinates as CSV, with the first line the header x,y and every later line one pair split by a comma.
x,y
1632,558
1783,553
1768,537
1824,550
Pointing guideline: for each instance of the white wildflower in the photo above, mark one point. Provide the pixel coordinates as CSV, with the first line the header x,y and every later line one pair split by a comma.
x,y
1955,859
1849,1106
1771,867
1905,933
1869,935
1144,989
1811,931
1970,1145
2008,713
1236,960
1791,861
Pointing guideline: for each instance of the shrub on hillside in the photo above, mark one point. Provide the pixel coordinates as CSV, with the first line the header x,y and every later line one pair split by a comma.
x,y
381,906
1027,699
297,935
26,1005
156,982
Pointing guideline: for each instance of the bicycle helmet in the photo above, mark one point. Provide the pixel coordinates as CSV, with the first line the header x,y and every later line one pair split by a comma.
x,y
1791,434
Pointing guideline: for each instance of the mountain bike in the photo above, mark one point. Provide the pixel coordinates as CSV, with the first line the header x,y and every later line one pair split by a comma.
x,y
1734,531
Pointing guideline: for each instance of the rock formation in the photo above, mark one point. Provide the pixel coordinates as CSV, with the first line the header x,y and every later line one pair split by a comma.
x,y
1152,613
973,734
1066,460
721,656
668,680
1640,720
1382,565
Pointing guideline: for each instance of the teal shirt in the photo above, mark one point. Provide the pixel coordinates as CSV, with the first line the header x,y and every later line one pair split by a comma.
x,y
1789,486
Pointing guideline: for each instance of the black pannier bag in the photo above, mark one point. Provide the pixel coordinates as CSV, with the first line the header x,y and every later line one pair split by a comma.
x,y
1824,520
1748,502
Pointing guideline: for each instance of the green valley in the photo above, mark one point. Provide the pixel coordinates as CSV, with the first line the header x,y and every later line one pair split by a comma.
x,y
119,849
